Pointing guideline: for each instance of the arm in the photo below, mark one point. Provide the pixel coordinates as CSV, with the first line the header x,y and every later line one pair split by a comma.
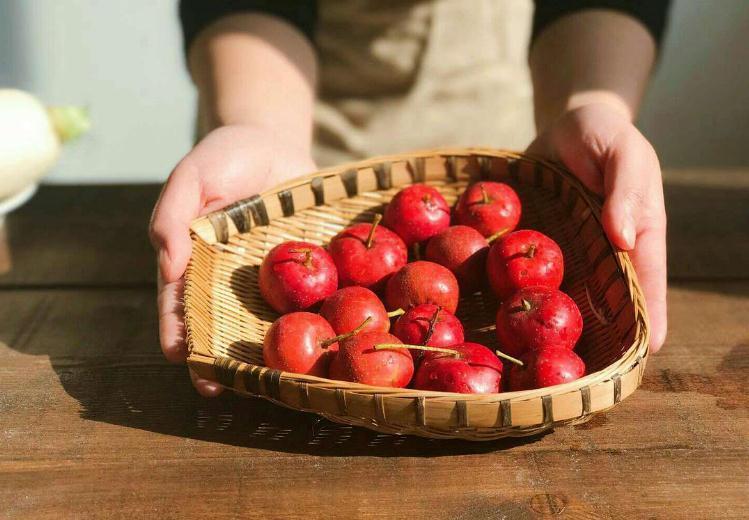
x,y
255,76
255,69
594,56
589,71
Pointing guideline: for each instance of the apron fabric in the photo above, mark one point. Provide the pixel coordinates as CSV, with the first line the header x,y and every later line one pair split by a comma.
x,y
399,75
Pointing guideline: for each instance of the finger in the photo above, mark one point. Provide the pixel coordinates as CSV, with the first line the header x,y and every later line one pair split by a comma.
x,y
205,387
171,320
630,168
634,220
178,205
649,260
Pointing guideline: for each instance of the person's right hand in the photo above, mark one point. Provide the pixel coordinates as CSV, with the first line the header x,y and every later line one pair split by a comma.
x,y
229,164
612,158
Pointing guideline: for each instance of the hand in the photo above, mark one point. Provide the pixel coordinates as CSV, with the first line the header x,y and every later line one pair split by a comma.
x,y
612,158
229,164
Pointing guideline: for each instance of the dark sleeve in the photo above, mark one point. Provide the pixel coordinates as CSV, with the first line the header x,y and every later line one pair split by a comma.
x,y
651,13
196,15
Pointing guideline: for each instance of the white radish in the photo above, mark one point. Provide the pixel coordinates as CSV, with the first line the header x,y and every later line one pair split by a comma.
x,y
31,137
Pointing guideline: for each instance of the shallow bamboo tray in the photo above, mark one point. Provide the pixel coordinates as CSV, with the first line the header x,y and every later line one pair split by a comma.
x,y
226,317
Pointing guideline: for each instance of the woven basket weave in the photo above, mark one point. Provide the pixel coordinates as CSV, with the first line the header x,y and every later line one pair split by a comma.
x,y
226,317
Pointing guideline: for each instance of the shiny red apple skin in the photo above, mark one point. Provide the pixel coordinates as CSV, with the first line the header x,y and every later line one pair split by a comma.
x,y
347,308
500,212
293,343
553,318
524,258
357,361
367,267
296,276
552,365
422,282
413,326
476,371
417,213
463,250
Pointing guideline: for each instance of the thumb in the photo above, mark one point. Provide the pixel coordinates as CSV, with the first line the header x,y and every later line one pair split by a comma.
x,y
178,204
627,174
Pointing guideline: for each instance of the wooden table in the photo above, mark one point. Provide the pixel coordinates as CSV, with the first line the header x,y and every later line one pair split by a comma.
x,y
93,422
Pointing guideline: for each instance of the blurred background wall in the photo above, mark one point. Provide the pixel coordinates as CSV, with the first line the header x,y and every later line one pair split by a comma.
x,y
123,59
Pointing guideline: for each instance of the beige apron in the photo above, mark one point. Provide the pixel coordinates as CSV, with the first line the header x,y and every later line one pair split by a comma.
x,y
397,75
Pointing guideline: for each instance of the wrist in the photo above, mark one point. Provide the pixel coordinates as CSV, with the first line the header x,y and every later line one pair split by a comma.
x,y
296,133
601,100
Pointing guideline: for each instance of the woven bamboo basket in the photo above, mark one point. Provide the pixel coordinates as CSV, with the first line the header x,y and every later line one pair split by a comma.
x,y
226,317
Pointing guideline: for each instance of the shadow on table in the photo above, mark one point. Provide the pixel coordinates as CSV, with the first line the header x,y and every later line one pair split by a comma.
x,y
159,397
114,368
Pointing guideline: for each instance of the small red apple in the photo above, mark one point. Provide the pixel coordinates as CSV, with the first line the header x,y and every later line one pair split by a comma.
x,y
347,308
489,208
463,250
422,282
296,275
475,370
366,254
535,317
417,213
430,325
299,342
524,258
546,367
357,360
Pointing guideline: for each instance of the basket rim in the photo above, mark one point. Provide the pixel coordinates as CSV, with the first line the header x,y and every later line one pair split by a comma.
x,y
636,353
200,225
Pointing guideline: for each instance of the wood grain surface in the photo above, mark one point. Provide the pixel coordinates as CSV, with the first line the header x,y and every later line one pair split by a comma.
x,y
82,236
94,423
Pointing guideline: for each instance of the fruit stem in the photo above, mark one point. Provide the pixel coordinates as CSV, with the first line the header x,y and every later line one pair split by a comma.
x,y
432,324
389,346
370,237
531,251
396,312
307,256
416,251
498,234
524,306
484,196
508,358
340,337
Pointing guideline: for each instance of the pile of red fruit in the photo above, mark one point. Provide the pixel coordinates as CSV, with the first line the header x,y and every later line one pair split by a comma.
x,y
351,337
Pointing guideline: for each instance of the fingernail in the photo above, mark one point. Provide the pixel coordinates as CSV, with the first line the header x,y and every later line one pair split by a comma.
x,y
628,234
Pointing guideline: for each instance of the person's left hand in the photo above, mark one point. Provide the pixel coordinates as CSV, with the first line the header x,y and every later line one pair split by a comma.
x,y
612,158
